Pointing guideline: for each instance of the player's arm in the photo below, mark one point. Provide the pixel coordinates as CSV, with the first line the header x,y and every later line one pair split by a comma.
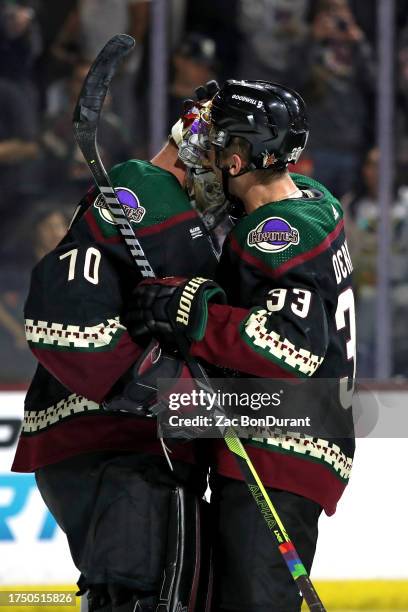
x,y
286,335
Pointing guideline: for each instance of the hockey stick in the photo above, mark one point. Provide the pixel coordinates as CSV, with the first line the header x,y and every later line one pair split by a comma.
x,y
86,118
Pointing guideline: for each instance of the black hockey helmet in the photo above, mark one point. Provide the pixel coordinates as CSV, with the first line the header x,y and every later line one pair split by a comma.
x,y
271,117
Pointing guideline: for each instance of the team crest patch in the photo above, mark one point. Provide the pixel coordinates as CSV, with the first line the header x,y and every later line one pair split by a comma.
x,y
133,209
273,235
268,159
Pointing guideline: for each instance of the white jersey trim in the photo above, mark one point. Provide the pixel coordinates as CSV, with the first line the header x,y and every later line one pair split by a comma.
x,y
72,336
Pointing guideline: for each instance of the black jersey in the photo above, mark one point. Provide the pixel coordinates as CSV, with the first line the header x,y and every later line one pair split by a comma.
x,y
287,272
74,309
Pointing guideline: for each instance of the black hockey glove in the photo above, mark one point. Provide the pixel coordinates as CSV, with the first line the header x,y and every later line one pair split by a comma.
x,y
152,388
167,307
136,390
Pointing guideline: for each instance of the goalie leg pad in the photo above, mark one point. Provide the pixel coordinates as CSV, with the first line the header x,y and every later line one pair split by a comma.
x,y
187,570
133,525
114,598
185,565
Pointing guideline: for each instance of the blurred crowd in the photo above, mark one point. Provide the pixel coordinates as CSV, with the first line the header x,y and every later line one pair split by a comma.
x,y
325,49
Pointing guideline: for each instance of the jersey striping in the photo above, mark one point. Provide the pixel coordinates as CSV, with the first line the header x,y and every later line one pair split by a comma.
x,y
73,312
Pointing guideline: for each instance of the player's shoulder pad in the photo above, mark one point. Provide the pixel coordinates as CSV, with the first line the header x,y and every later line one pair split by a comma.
x,y
154,191
149,194
278,232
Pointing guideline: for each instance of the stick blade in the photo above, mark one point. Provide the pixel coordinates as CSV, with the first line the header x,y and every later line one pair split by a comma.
x,y
96,84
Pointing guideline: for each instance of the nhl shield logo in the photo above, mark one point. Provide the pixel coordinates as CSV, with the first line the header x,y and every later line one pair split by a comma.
x,y
273,235
133,209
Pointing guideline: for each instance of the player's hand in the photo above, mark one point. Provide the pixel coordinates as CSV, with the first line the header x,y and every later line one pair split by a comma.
x,y
152,388
167,307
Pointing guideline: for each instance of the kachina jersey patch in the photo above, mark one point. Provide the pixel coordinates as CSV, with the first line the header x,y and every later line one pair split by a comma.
x,y
133,209
273,235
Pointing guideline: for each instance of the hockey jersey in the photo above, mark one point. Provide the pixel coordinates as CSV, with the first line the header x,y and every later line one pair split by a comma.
x,y
73,316
287,273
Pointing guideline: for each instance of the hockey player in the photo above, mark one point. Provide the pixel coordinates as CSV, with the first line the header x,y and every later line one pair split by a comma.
x,y
103,475
287,273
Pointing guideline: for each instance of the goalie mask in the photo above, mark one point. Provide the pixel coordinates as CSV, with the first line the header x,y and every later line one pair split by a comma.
x,y
204,189
190,133
207,196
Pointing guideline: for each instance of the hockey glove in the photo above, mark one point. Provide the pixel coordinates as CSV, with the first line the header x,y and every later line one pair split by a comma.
x,y
167,307
152,388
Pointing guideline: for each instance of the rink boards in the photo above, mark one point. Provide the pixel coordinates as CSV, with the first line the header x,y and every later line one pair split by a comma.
x,y
361,557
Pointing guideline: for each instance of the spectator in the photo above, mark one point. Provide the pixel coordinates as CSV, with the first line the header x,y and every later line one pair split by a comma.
x,y
41,233
362,209
219,21
89,26
366,14
17,146
194,63
401,118
273,36
340,80
20,45
64,167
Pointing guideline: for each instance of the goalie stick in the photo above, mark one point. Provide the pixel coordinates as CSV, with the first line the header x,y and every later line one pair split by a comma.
x,y
86,119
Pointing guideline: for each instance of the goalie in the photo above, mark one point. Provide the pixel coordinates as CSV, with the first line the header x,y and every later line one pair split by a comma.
x,y
133,524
